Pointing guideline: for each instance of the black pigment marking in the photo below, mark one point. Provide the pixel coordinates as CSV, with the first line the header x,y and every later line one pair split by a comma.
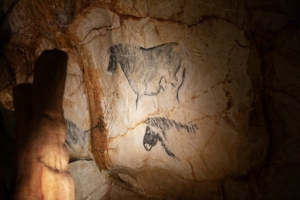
x,y
166,148
70,145
75,136
72,132
150,139
165,124
100,125
149,70
155,125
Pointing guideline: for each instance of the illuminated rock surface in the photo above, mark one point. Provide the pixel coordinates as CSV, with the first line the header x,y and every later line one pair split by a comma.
x,y
89,182
171,99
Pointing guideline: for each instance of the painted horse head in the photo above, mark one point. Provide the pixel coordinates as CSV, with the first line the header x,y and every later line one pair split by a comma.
x,y
150,139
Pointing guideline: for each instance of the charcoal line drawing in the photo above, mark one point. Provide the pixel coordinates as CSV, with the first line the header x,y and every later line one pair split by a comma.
x,y
75,136
100,125
150,140
149,70
157,126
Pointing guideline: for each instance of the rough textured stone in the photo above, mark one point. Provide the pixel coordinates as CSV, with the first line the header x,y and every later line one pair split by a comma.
x,y
240,189
172,99
90,183
77,141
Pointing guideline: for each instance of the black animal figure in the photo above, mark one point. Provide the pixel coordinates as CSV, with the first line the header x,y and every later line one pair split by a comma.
x,y
150,140
157,126
148,71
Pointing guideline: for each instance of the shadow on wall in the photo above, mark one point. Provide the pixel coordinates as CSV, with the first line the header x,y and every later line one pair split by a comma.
x,y
7,152
7,146
7,75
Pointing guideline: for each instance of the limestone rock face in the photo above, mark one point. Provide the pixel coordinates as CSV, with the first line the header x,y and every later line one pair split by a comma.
x,y
77,141
90,183
170,99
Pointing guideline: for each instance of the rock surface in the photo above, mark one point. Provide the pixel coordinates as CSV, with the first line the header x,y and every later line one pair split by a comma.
x,y
171,99
90,183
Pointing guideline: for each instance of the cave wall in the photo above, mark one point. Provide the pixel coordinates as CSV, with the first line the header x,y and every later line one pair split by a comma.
x,y
169,99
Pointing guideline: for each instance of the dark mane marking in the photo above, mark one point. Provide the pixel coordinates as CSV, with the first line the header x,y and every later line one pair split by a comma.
x,y
155,125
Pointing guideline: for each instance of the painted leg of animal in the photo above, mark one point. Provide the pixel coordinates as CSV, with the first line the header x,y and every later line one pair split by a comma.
x,y
181,80
166,148
138,97
42,157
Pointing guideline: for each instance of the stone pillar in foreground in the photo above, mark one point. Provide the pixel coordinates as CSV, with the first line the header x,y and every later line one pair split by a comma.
x,y
42,157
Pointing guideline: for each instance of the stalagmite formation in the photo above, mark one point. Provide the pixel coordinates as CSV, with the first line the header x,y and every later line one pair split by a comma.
x,y
42,157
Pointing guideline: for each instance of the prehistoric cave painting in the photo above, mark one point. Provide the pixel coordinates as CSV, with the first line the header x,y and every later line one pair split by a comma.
x,y
100,125
148,71
150,140
75,136
157,127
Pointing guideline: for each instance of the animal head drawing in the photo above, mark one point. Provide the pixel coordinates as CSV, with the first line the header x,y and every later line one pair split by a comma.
x,y
157,128
150,139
